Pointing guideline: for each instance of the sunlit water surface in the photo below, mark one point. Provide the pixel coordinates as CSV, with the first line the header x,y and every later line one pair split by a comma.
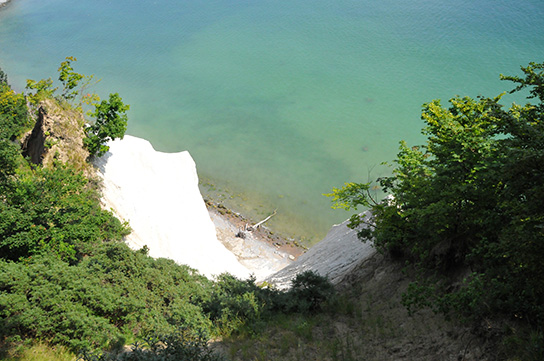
x,y
278,101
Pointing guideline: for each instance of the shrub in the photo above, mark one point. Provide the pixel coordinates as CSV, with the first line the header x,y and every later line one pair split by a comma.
x,y
54,210
181,345
309,291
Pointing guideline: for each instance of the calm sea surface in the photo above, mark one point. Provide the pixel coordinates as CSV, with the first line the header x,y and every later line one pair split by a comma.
x,y
278,101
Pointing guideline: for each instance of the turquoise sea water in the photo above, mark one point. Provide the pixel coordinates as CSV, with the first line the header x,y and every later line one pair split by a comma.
x,y
277,101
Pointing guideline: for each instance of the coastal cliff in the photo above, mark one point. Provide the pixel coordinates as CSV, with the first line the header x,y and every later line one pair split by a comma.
x,y
157,193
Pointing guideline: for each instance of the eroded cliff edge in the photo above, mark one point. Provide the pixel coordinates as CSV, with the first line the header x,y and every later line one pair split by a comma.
x,y
157,193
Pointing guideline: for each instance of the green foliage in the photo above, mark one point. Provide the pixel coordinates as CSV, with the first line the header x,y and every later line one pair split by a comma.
x,y
40,299
43,89
69,78
111,295
348,197
235,305
181,345
471,198
309,291
3,78
110,123
55,211
73,85
241,306
14,118
8,163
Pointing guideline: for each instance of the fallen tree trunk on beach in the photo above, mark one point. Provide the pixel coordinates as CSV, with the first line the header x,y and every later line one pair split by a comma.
x,y
261,222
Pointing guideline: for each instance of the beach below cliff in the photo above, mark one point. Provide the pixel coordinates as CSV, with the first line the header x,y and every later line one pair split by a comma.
x,y
157,194
259,249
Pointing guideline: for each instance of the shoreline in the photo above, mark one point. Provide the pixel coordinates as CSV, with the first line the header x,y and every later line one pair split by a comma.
x,y
300,228
262,233
158,194
260,250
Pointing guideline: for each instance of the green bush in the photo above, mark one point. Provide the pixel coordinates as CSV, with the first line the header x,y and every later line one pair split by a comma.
x,y
181,345
235,305
309,292
3,78
110,296
54,210
14,117
110,123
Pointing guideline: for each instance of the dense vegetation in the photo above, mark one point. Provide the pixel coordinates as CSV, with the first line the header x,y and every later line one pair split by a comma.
x,y
467,208
466,212
65,278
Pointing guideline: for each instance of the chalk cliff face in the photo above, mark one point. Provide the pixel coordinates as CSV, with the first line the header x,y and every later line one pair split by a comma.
x,y
158,194
334,257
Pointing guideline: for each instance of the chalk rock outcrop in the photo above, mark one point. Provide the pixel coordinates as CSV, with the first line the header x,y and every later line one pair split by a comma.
x,y
333,257
158,194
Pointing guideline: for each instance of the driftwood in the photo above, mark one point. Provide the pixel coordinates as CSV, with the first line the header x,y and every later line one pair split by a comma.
x,y
261,222
247,228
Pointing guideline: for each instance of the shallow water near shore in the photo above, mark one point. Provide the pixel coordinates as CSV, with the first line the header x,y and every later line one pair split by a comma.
x,y
277,101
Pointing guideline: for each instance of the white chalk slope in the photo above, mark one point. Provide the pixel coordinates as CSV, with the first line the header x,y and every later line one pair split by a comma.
x,y
333,257
158,194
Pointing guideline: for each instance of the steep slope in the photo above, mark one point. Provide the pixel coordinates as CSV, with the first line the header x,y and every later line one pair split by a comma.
x,y
333,257
57,135
158,194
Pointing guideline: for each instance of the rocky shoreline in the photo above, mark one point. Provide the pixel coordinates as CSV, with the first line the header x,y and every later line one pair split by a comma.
x,y
262,233
260,250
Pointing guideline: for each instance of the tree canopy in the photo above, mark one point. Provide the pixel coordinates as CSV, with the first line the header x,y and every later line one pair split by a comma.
x,y
110,123
469,201
108,120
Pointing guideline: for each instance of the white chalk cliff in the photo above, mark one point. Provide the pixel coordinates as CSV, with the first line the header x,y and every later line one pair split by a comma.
x,y
158,194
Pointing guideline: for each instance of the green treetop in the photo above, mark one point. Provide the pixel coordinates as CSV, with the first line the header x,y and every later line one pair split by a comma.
x,y
471,199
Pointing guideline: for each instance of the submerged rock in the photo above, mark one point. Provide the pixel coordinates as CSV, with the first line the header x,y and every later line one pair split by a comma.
x,y
157,193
